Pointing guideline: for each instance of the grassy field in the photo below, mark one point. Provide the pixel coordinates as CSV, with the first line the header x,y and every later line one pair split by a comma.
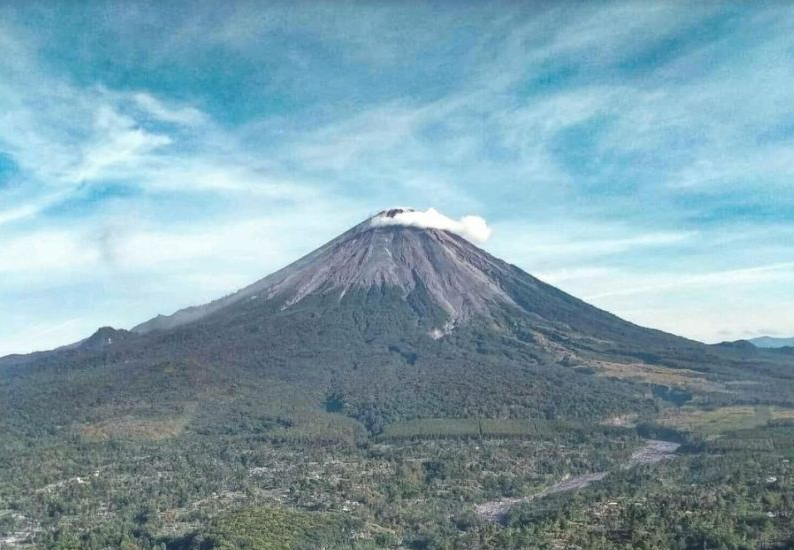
x,y
152,429
641,372
714,422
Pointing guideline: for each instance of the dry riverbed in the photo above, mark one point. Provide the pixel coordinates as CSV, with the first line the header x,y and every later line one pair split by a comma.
x,y
653,452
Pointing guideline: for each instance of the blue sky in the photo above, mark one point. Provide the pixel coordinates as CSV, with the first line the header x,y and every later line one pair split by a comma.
x,y
638,155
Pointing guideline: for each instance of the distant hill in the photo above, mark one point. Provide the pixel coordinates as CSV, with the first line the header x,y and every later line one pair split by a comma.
x,y
772,342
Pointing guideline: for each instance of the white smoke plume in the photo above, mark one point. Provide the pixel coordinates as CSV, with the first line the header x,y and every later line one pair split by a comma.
x,y
473,228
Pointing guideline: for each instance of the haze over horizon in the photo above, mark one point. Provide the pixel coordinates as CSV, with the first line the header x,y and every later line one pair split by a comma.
x,y
647,170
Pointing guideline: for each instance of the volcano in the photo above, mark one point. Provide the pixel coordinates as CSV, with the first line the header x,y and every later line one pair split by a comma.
x,y
393,319
380,253
441,277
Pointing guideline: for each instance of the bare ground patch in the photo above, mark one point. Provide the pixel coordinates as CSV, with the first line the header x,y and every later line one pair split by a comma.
x,y
652,374
713,422
132,426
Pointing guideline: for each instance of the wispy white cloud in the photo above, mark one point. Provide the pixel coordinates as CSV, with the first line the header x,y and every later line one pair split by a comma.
x,y
44,252
565,274
118,144
783,271
28,210
183,115
545,244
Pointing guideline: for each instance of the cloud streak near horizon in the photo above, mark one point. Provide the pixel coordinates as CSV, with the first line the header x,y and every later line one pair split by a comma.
x,y
646,166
